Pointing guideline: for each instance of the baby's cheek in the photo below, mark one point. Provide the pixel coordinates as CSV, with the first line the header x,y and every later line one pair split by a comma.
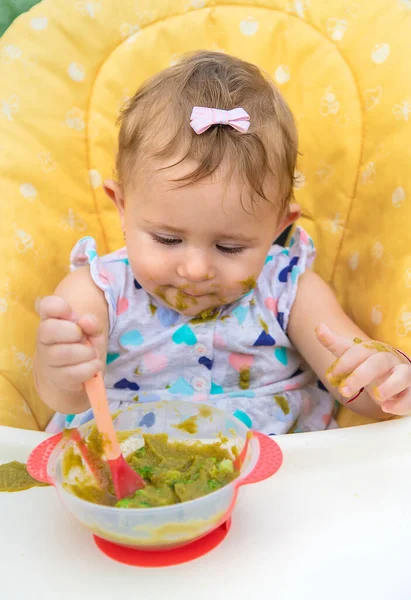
x,y
153,269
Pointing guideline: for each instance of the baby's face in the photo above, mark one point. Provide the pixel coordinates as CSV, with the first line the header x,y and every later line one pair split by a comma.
x,y
195,247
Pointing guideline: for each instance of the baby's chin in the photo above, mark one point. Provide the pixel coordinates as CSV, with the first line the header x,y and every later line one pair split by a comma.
x,y
190,306
195,307
203,311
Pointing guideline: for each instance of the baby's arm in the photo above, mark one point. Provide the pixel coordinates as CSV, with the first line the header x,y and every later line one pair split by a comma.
x,y
315,304
63,362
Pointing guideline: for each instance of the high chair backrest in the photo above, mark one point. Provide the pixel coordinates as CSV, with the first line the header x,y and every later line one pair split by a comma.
x,y
66,69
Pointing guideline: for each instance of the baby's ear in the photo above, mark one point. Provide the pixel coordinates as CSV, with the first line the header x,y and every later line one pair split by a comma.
x,y
115,192
293,214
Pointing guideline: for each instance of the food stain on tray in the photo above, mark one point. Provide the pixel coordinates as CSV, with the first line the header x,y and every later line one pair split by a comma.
x,y
14,477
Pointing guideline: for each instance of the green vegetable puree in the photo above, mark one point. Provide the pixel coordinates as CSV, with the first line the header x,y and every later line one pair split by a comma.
x,y
177,472
174,472
14,477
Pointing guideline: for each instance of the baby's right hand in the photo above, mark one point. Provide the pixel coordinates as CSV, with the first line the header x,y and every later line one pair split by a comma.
x,y
62,356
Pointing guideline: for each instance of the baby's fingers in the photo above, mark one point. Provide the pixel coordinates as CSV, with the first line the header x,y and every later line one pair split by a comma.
x,y
400,406
90,325
334,343
58,331
54,307
373,368
350,361
64,355
396,383
76,375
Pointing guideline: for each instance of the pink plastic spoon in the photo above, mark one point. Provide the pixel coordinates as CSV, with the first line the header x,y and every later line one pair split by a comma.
x,y
126,481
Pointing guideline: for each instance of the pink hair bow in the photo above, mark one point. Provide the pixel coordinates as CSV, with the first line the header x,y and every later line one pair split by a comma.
x,y
202,118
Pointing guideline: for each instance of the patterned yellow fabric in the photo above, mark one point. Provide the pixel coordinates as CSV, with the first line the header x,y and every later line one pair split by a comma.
x,y
66,67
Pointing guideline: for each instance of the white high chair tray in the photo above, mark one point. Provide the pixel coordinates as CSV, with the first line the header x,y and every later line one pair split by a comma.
x,y
333,523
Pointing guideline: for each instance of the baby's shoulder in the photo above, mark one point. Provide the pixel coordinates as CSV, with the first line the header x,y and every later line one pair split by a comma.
x,y
79,279
278,282
107,270
284,263
80,292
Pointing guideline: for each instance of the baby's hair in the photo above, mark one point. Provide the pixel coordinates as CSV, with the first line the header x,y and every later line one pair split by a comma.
x,y
155,123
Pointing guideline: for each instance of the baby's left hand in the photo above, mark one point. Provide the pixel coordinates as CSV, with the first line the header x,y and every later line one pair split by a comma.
x,y
380,369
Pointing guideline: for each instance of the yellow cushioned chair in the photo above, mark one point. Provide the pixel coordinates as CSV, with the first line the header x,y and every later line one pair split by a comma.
x,y
66,68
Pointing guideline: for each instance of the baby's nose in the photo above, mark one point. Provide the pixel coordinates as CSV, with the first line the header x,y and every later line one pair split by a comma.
x,y
196,267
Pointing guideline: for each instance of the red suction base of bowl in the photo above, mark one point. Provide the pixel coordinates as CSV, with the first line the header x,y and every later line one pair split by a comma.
x,y
164,558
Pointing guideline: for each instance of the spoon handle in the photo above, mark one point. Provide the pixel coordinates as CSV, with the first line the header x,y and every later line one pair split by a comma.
x,y
96,393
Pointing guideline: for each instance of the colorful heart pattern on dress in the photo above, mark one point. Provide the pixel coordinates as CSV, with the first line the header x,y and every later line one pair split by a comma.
x,y
149,397
264,339
122,306
244,418
148,420
167,316
216,389
240,312
131,338
281,355
242,394
125,384
182,387
184,335
240,361
283,276
206,362
272,304
304,238
105,276
154,363
91,254
111,357
295,273
219,341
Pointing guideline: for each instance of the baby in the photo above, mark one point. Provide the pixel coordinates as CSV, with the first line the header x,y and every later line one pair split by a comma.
x,y
200,304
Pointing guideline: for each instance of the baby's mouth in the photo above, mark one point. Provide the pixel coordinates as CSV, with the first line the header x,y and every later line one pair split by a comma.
x,y
195,294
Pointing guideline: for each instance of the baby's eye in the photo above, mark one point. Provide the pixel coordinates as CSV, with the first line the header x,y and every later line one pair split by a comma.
x,y
230,250
165,240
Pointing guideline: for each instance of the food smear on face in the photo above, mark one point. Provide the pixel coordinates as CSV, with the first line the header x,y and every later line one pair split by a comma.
x,y
248,284
14,477
160,293
209,314
181,301
173,471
